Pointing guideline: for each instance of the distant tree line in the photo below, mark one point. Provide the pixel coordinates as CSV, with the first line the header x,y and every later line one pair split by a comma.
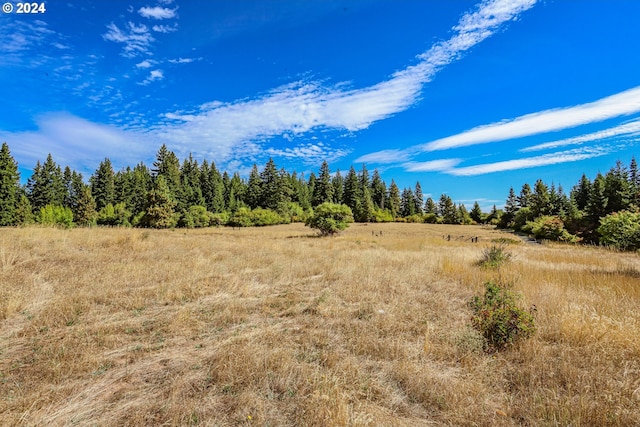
x,y
192,194
599,211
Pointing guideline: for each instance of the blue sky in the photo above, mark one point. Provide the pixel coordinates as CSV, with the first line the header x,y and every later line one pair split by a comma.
x,y
467,97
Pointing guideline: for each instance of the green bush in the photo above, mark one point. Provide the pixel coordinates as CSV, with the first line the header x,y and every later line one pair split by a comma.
x,y
549,228
218,219
114,215
522,216
56,216
494,256
415,218
261,217
497,316
241,218
329,218
621,230
430,218
195,217
382,215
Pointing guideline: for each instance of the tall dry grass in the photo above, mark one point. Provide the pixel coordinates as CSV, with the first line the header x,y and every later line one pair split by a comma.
x,y
273,326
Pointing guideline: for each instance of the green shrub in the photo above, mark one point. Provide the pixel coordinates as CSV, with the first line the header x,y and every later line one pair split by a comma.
x,y
241,218
621,230
549,227
218,219
415,218
329,218
382,215
56,216
430,218
494,256
114,215
261,217
499,319
195,217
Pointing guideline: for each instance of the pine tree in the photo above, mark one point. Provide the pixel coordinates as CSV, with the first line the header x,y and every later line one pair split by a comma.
x,y
418,198
253,197
407,203
141,182
9,186
597,203
476,211
580,193
617,188
524,199
323,190
364,208
190,193
168,166
160,206
430,207
23,213
351,190
338,187
447,210
378,190
46,185
85,213
394,199
634,182
270,186
103,187
540,199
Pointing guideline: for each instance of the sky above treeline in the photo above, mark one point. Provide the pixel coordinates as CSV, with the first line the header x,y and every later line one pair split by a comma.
x,y
467,97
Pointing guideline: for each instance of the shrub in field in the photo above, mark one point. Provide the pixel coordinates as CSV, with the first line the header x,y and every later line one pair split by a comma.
x,y
551,228
114,215
494,256
329,218
55,215
497,316
382,215
621,230
195,217
241,218
260,217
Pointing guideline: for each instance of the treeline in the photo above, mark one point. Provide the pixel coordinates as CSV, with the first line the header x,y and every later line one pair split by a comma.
x,y
599,211
192,194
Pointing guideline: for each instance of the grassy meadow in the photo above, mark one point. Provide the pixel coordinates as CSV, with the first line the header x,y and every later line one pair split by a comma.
x,y
276,327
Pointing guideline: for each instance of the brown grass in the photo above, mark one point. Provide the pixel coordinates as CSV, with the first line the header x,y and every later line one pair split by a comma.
x,y
273,326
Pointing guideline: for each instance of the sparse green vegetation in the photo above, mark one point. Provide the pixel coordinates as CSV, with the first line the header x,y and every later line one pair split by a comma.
x,y
494,256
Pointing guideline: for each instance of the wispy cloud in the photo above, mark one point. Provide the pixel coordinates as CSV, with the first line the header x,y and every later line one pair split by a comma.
x,y
303,106
157,12
627,129
154,76
147,63
311,154
165,28
431,165
184,60
65,136
620,104
530,162
136,38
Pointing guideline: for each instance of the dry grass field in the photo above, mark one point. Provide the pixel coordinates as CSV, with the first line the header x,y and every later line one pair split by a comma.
x,y
275,327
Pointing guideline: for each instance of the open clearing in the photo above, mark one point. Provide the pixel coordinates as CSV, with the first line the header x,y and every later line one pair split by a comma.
x,y
274,327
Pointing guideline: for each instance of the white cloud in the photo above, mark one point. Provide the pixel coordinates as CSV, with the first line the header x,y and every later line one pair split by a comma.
x,y
136,39
157,12
431,165
623,103
154,75
530,162
65,136
165,28
627,129
302,106
184,60
311,154
147,63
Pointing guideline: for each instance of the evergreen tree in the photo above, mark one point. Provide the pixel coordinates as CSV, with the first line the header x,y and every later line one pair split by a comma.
x,y
213,189
510,208
463,214
351,190
430,207
418,198
103,184
447,210
476,211
9,186
323,190
581,192
338,187
285,191
141,183
634,183
23,213
393,198
46,185
270,196
617,188
524,199
160,206
85,210
253,197
597,204
407,203
190,193
168,166
378,190
540,199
